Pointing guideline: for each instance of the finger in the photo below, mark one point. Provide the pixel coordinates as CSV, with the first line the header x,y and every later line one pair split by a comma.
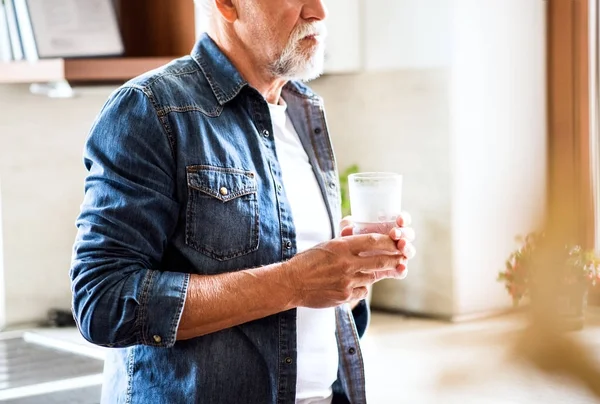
x,y
401,244
396,233
346,222
405,232
402,266
409,251
368,278
403,274
404,219
347,231
366,243
359,293
377,263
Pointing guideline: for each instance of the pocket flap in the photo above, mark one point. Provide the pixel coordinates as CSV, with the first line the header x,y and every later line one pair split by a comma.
x,y
224,184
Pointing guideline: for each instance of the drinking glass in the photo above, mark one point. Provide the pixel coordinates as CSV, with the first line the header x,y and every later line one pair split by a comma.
x,y
375,204
375,201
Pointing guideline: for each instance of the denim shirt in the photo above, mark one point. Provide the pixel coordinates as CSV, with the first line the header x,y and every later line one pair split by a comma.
x,y
183,178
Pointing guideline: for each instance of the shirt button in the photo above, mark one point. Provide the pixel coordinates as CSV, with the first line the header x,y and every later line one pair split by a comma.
x,y
279,187
332,185
288,360
288,244
265,133
351,351
223,191
157,339
317,130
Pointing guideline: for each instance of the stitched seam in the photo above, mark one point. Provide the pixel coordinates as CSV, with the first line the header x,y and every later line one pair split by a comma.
x,y
338,194
189,217
211,81
326,131
229,197
130,364
312,140
358,349
142,319
204,167
245,190
342,352
148,93
221,96
177,316
154,78
189,108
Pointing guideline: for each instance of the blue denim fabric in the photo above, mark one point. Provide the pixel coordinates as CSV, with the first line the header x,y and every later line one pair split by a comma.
x,y
158,156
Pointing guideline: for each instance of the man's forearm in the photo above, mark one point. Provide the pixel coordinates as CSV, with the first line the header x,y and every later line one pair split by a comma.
x,y
217,302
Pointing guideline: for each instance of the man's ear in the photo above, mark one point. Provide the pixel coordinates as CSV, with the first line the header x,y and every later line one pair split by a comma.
x,y
227,10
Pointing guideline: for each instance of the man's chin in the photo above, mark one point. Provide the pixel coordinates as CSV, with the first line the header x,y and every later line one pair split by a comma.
x,y
310,71
310,75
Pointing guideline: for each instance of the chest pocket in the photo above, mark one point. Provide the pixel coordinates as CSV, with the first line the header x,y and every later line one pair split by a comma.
x,y
222,218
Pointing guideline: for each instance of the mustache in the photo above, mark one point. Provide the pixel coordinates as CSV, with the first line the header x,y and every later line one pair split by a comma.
x,y
317,28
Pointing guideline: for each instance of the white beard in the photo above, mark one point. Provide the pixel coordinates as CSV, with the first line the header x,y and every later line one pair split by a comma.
x,y
294,64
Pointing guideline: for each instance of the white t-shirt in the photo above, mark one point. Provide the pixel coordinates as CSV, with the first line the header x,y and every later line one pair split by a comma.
x,y
317,345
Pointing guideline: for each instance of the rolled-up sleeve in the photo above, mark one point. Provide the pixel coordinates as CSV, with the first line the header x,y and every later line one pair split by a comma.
x,y
121,294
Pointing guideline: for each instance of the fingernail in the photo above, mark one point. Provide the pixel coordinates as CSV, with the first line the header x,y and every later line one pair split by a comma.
x,y
397,233
406,218
401,244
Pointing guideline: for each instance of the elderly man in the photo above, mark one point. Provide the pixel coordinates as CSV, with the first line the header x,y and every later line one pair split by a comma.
x,y
208,253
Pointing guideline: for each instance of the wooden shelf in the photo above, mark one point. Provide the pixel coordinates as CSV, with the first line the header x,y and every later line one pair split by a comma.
x,y
79,70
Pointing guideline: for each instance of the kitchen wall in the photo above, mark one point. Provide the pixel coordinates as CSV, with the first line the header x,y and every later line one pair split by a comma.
x,y
498,131
2,294
41,174
383,121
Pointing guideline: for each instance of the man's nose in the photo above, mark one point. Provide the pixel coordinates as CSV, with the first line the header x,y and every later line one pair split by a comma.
x,y
314,10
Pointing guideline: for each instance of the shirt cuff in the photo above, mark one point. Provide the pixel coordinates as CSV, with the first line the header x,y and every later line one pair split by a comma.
x,y
163,298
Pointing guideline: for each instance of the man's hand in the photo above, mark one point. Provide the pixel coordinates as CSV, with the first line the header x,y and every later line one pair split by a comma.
x,y
339,271
402,234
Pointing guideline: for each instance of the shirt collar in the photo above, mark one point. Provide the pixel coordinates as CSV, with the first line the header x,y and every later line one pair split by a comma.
x,y
223,77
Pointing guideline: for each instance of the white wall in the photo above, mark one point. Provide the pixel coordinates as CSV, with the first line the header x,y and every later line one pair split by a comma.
x,y
406,34
498,130
41,169
2,294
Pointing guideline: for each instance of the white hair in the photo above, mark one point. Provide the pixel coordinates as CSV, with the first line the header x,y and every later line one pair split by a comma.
x,y
206,5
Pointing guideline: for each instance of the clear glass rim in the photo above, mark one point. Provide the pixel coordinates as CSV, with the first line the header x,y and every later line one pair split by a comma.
x,y
374,175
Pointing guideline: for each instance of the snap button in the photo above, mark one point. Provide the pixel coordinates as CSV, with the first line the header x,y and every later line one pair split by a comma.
x,y
332,185
223,191
351,351
288,244
157,339
265,133
288,360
